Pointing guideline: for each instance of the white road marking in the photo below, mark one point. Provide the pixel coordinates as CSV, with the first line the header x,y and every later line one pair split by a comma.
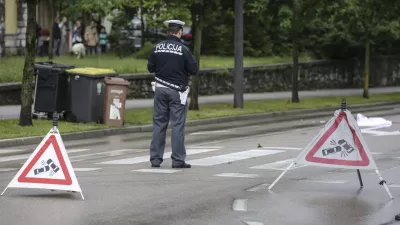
x,y
215,160
3,151
285,148
100,155
156,171
239,205
255,136
146,158
278,165
257,187
211,132
394,185
236,175
252,223
326,181
85,169
205,147
7,169
26,156
374,132
376,153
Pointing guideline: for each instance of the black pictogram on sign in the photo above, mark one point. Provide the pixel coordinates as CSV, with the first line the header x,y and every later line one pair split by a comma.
x,y
50,164
341,145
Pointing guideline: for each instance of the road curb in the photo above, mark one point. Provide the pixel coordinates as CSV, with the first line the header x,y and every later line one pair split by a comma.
x,y
273,116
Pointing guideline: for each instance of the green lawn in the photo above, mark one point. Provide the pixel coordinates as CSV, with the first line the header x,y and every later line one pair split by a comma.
x,y
12,67
10,128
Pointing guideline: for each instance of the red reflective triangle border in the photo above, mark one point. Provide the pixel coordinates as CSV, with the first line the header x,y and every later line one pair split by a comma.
x,y
67,181
310,156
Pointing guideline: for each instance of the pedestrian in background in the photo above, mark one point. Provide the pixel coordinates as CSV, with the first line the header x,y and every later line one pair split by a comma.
x,y
77,33
56,37
172,64
91,37
63,27
103,40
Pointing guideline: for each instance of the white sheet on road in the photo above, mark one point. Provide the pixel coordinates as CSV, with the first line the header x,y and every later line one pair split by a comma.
x,y
363,121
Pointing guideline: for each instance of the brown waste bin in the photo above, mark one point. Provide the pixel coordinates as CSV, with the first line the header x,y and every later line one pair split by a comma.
x,y
115,93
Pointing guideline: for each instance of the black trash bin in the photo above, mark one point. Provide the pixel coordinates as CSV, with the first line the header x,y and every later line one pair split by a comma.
x,y
51,87
86,94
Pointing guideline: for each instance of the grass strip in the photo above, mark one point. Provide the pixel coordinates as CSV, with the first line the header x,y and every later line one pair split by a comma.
x,y
10,128
11,67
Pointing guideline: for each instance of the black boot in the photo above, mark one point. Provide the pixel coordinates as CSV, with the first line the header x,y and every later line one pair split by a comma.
x,y
184,165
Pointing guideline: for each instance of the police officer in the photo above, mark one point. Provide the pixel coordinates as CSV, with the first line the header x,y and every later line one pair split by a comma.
x,y
172,63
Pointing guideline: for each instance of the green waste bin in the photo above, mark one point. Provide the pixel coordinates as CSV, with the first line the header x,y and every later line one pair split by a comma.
x,y
86,94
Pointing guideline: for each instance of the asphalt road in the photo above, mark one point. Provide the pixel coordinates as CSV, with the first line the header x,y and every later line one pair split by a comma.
x,y
227,184
12,111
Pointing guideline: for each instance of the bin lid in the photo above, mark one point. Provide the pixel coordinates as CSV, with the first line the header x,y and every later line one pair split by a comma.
x,y
52,65
116,80
92,72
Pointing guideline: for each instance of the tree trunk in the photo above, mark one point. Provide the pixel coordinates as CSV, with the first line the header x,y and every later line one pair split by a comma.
x,y
366,82
238,71
194,91
143,39
2,19
295,53
50,18
25,117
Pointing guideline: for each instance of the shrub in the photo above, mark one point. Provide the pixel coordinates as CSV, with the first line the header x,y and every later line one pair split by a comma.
x,y
145,51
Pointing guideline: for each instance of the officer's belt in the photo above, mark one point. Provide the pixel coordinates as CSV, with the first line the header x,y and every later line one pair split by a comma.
x,y
169,85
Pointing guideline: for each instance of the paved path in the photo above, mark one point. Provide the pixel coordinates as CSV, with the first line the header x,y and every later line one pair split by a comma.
x,y
9,112
227,184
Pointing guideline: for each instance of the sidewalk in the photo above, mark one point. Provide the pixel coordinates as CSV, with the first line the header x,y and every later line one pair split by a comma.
x,y
12,112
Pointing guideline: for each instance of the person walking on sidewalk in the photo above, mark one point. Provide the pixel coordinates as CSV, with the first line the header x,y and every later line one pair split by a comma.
x,y
172,64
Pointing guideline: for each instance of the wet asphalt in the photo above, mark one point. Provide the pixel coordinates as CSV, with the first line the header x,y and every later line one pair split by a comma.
x,y
228,184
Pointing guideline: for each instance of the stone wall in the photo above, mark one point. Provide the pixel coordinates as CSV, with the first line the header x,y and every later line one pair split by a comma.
x,y
15,43
385,71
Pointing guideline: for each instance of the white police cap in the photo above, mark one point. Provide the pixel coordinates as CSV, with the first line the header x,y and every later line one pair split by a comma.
x,y
169,23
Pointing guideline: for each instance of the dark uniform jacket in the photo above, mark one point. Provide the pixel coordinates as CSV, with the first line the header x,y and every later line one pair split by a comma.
x,y
171,61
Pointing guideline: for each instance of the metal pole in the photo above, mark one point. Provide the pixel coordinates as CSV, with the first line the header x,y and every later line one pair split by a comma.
x,y
343,107
383,182
359,178
280,176
55,122
238,71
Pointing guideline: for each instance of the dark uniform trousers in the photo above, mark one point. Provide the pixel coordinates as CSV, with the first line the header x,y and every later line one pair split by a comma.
x,y
167,105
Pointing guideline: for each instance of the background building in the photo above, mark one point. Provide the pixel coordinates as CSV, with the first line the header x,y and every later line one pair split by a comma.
x,y
13,21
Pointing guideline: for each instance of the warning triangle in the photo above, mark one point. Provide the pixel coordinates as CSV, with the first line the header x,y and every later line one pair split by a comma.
x,y
340,145
48,167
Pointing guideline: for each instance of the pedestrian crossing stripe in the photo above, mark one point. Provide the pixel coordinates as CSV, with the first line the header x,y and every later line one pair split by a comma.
x,y
141,159
226,158
240,175
156,171
26,156
277,165
7,169
86,169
